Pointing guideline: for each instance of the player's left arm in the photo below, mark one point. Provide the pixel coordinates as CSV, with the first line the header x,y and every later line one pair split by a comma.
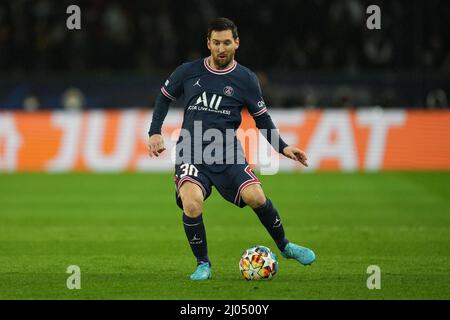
x,y
258,109
265,124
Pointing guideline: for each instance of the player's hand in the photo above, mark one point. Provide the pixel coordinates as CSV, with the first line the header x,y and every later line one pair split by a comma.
x,y
296,154
155,145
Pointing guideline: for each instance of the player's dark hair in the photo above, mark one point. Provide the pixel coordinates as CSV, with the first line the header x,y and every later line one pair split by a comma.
x,y
222,24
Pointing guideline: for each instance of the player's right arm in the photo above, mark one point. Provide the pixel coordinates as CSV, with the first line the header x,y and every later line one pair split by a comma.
x,y
170,91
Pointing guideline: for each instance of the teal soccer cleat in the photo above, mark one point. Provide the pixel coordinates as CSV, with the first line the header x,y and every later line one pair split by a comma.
x,y
303,255
203,272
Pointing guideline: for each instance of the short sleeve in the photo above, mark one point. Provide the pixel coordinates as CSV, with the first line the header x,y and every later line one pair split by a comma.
x,y
173,86
254,100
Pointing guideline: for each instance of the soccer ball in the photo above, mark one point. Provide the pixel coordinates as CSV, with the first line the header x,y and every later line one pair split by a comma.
x,y
258,263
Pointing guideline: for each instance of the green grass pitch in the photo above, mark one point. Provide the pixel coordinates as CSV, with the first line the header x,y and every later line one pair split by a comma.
x,y
124,231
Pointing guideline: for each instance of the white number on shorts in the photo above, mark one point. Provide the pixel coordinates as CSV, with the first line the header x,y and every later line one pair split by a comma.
x,y
188,169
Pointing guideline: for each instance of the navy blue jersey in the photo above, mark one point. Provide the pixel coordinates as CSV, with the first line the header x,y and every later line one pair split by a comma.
x,y
213,101
215,97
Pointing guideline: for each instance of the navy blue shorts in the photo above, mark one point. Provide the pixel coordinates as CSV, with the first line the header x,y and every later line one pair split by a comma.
x,y
229,182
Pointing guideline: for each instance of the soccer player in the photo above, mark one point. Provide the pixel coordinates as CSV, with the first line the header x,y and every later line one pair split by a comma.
x,y
214,90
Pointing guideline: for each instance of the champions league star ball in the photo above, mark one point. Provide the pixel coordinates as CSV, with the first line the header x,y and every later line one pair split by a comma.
x,y
258,263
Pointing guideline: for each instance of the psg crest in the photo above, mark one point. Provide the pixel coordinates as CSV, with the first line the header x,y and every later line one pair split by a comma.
x,y
228,91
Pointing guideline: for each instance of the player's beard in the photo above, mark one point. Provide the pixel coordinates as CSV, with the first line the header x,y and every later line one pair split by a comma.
x,y
223,63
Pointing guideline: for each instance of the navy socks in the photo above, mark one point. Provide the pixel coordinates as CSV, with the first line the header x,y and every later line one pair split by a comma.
x,y
196,235
269,217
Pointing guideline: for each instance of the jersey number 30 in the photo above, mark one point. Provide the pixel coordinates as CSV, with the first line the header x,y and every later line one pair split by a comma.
x,y
188,170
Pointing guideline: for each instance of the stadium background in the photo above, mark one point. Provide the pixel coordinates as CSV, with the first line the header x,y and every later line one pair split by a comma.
x,y
354,99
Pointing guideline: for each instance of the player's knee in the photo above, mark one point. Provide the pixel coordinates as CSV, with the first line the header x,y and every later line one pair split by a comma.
x,y
192,199
192,207
254,199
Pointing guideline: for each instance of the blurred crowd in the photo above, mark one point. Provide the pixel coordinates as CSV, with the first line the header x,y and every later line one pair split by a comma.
x,y
153,37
